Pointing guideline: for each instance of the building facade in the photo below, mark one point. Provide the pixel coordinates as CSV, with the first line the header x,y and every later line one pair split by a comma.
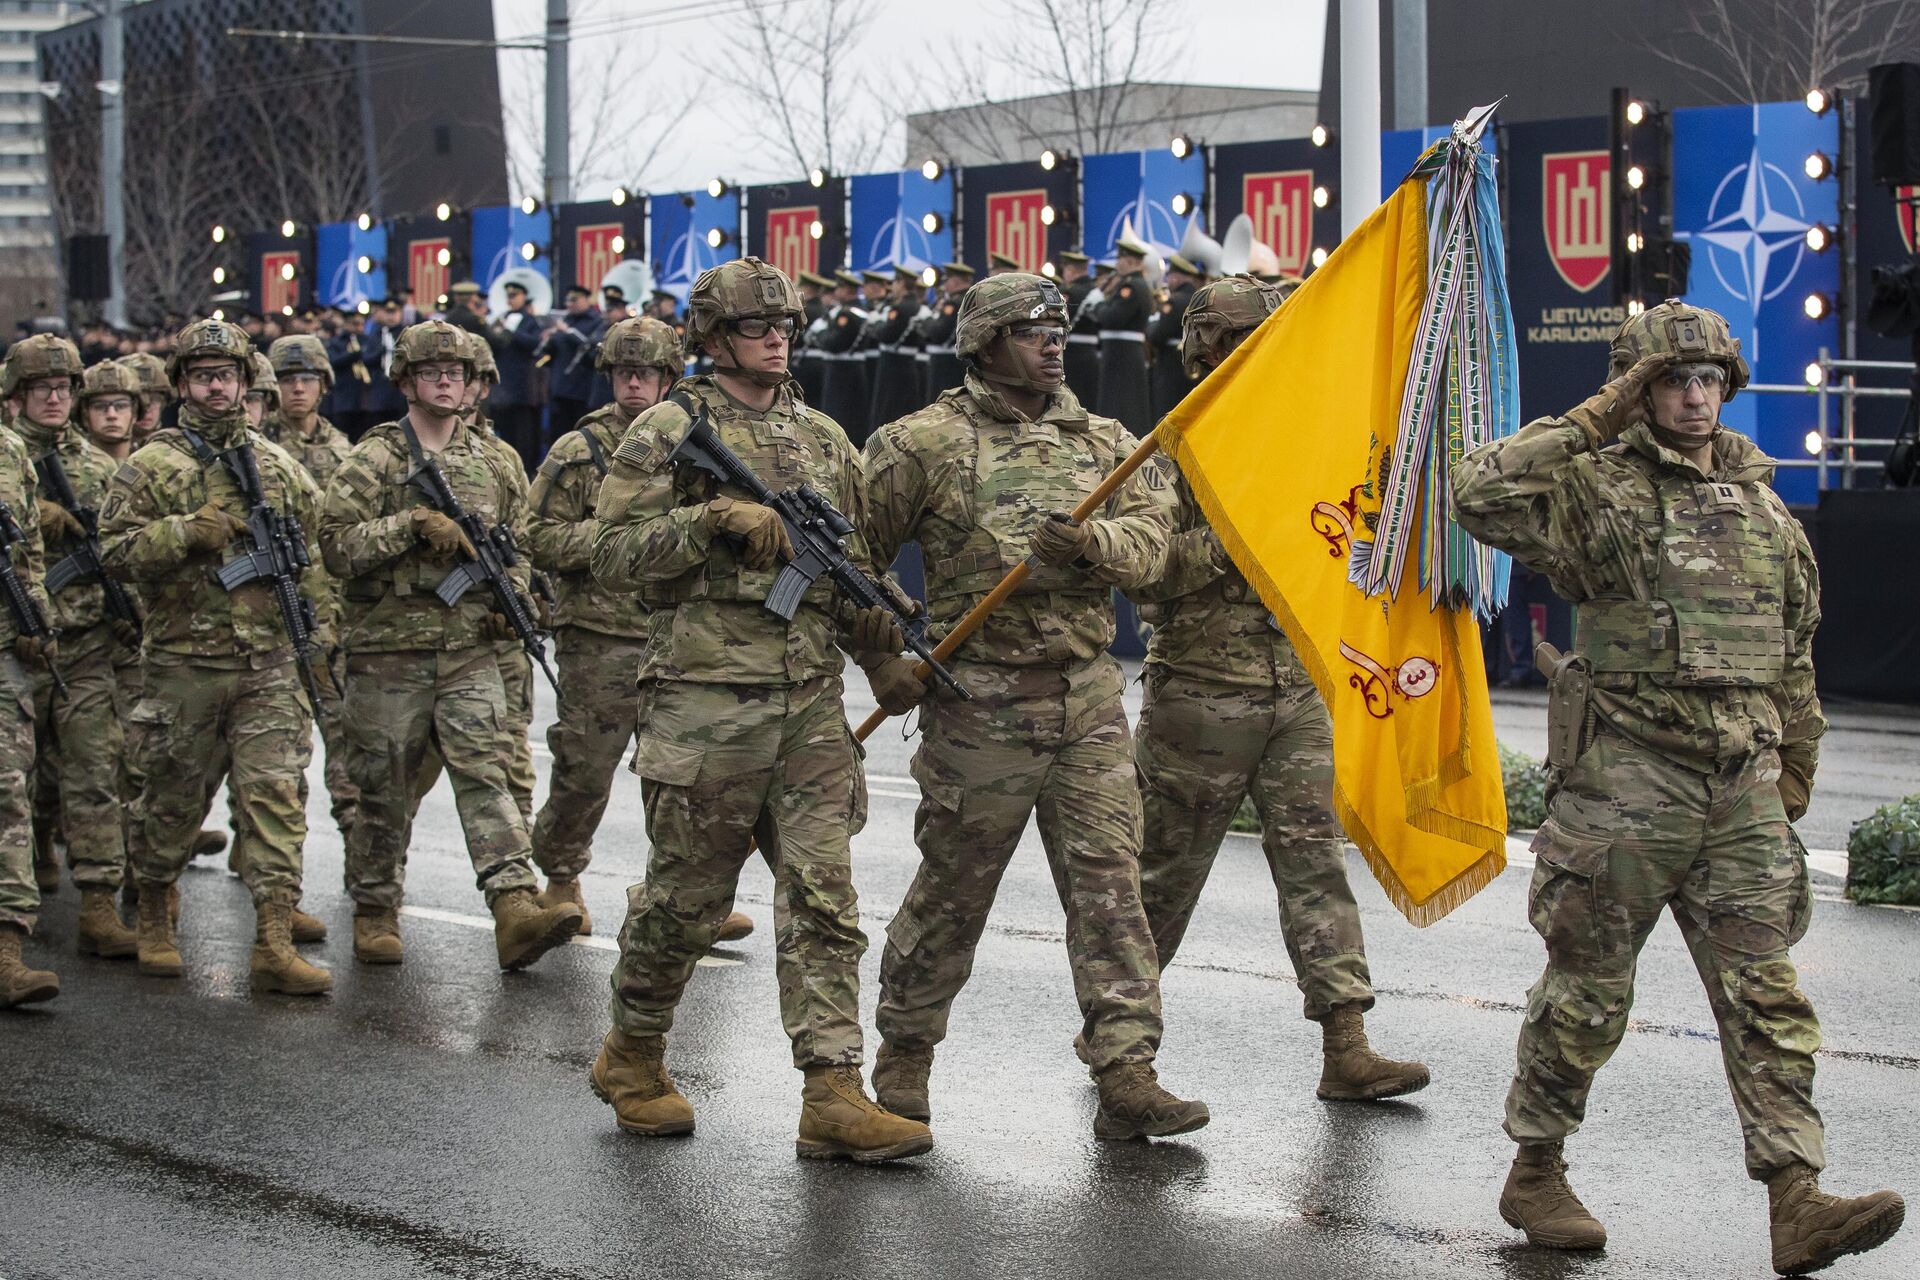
x,y
29,253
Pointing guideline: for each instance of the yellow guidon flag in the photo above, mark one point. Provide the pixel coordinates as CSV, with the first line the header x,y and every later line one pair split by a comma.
x,y
1319,451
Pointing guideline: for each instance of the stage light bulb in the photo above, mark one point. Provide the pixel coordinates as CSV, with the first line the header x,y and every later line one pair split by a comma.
x,y
1320,136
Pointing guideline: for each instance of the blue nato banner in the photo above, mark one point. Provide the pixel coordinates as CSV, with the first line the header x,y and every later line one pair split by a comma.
x,y
683,223
887,221
499,231
1139,186
338,249
1743,201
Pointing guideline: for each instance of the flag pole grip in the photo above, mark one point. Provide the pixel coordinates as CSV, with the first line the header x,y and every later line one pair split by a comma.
x,y
1018,574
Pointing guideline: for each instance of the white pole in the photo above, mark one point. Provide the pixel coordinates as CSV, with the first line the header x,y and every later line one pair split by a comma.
x,y
113,144
1359,111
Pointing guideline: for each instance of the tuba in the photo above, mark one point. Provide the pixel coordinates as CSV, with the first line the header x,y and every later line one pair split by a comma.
x,y
1241,253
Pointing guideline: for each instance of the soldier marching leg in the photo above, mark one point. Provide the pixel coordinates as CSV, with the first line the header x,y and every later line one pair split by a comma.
x,y
516,678
19,895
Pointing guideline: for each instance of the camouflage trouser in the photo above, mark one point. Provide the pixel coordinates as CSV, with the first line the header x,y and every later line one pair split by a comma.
x,y
599,711
1202,747
399,707
19,895
1033,738
195,724
722,766
80,744
130,681
516,678
1629,834
331,714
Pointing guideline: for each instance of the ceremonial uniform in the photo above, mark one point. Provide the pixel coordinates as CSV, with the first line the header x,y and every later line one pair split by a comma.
x,y
1083,345
944,370
896,380
1168,377
1122,324
846,393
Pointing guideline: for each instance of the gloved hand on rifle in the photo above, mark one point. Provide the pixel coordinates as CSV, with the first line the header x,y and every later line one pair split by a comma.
x,y
211,528
498,626
57,523
35,649
763,535
440,533
877,642
125,632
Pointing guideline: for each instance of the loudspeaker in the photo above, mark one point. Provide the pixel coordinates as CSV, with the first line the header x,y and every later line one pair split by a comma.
x,y
89,278
1895,125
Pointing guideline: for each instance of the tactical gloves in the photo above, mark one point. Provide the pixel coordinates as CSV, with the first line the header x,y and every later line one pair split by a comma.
x,y
877,632
763,536
440,533
895,686
35,648
1061,539
210,528
1609,411
1796,780
57,523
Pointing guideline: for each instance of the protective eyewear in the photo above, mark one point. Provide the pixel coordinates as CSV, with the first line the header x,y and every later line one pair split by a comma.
x,y
447,373
204,378
1709,377
760,327
50,390
1038,335
111,404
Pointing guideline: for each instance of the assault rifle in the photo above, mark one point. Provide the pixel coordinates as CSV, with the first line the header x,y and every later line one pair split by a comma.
x,y
494,555
27,618
276,555
818,532
82,564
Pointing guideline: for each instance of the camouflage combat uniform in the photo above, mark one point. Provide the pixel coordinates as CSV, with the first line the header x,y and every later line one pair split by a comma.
x,y
970,481
1698,599
600,640
742,734
19,894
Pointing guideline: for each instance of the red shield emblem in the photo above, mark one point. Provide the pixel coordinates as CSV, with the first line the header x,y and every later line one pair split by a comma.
x,y
596,249
1576,210
1281,206
790,243
277,293
1015,227
1906,209
426,274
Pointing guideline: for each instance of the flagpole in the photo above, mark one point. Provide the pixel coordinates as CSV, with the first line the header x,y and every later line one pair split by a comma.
x,y
1011,583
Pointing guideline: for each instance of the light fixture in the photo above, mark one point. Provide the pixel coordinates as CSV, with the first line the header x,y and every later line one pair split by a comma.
x,y
443,211
930,277
1816,374
1049,158
619,195
716,238
529,251
1817,306
1320,136
1816,443
363,306
444,257
1635,306
1635,242
932,170
1181,146
1819,101
218,314
287,228
365,222
365,264
1636,177
816,229
618,244
287,310
1046,269
530,205
219,234
219,275
1319,258
816,177
1047,215
1181,204
288,271
1819,237
1322,197
1636,111
1818,166
930,222
441,302
716,187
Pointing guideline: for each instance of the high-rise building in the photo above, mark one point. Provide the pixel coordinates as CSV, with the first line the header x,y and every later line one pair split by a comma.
x,y
29,261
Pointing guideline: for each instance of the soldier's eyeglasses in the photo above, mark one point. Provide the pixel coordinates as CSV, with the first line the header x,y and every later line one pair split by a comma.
x,y
1042,336
300,379
453,374
111,404
50,390
760,327
1709,377
204,378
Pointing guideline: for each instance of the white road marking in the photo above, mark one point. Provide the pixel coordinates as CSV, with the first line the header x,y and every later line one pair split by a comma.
x,y
596,943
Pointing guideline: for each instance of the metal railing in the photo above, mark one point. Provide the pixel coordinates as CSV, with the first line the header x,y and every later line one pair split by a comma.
x,y
1827,452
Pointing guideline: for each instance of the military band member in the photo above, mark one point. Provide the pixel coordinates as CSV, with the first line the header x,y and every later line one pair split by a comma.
x,y
1122,322
896,375
846,393
1169,377
1083,338
944,370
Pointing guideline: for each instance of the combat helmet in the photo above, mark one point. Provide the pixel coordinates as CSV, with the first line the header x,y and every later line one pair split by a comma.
x,y
44,355
113,378
429,340
152,372
1222,310
206,339
264,382
999,302
643,342
301,353
1691,335
743,289
484,367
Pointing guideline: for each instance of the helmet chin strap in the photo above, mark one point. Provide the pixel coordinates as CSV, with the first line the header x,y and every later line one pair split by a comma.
x,y
1023,382
758,377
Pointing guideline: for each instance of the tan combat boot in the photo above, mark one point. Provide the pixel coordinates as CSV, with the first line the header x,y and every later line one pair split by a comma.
x,y
839,1121
900,1081
100,932
376,935
1133,1105
523,930
207,843
159,957
630,1075
1352,1072
736,926
1813,1230
561,890
305,928
274,964
1538,1200
18,983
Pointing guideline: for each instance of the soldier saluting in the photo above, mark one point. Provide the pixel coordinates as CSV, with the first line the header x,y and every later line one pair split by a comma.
x,y
1684,731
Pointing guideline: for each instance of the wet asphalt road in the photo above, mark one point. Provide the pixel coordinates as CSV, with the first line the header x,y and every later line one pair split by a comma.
x,y
433,1120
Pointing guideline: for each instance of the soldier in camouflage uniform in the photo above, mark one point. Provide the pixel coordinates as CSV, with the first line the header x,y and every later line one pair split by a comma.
x,y
19,894
742,735
982,479
156,393
1230,712
79,732
263,393
221,694
1685,730
422,674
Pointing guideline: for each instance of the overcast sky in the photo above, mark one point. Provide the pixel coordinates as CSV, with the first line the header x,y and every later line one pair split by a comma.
x,y
657,55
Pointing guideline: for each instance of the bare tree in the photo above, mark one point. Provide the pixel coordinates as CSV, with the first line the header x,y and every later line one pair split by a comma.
x,y
1774,50
171,204
797,86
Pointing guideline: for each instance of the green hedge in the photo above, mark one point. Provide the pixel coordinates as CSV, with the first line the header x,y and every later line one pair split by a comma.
x,y
1526,782
1883,855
